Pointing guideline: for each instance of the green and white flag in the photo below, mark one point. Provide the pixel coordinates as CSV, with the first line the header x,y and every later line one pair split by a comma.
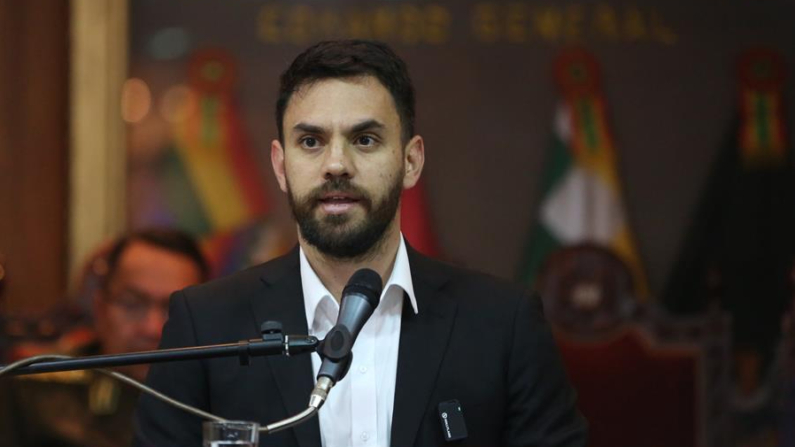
x,y
582,200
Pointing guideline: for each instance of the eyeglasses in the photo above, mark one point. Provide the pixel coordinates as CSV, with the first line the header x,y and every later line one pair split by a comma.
x,y
136,306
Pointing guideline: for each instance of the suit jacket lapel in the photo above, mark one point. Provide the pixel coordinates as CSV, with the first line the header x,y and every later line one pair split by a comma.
x,y
282,300
423,342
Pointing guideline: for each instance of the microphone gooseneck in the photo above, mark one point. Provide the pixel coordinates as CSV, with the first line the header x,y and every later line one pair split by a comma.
x,y
359,299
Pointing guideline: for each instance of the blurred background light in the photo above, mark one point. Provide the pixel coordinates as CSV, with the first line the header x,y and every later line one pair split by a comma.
x,y
169,43
136,100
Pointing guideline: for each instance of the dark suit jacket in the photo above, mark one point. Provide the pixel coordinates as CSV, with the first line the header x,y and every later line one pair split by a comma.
x,y
475,339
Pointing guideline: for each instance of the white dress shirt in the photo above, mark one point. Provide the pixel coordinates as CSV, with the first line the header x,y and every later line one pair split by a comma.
x,y
358,412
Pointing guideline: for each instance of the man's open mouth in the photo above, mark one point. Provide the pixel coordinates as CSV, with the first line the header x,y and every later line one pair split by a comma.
x,y
334,203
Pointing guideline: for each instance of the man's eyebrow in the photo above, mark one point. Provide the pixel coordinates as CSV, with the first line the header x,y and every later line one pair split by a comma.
x,y
308,128
138,292
367,125
370,124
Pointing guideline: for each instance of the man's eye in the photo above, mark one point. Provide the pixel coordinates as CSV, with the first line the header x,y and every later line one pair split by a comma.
x,y
309,142
130,302
365,140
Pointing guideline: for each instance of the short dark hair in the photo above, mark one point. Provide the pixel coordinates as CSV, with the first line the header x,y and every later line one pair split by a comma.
x,y
345,59
175,241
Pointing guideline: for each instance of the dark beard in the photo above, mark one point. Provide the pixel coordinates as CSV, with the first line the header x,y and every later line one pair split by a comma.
x,y
334,235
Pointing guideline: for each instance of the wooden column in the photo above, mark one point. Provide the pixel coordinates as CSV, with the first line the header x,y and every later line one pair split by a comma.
x,y
99,54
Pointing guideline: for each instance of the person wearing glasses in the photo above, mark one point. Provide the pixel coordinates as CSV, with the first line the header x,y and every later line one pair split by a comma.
x,y
130,306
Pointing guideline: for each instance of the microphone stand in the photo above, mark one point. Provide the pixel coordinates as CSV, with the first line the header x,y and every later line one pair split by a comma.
x,y
273,342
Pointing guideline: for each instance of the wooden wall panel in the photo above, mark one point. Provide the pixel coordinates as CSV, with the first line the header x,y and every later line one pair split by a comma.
x,y
34,44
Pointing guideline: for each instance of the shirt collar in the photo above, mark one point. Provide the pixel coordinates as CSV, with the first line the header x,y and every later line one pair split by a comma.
x,y
315,292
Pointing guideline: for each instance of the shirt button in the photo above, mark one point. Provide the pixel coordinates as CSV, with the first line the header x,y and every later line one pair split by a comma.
x,y
362,369
365,436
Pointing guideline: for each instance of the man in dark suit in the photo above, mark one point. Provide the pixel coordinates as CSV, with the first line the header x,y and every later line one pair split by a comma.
x,y
345,152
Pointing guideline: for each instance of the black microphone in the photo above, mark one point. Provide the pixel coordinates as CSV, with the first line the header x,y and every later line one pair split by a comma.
x,y
359,299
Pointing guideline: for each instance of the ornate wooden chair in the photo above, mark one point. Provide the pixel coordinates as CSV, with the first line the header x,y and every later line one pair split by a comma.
x,y
644,379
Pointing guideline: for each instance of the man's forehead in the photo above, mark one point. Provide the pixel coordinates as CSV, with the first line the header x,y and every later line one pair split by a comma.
x,y
361,80
357,99
145,263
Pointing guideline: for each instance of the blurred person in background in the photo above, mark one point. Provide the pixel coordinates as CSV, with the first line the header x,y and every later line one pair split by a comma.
x,y
130,306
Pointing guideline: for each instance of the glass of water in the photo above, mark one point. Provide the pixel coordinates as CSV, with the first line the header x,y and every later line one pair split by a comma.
x,y
230,433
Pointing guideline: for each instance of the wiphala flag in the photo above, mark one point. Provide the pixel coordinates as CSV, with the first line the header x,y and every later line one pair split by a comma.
x,y
210,181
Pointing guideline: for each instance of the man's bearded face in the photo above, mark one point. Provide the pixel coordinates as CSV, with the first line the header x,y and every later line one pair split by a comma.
x,y
344,236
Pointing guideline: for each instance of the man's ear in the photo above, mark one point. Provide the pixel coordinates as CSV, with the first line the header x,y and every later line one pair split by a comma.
x,y
277,162
413,161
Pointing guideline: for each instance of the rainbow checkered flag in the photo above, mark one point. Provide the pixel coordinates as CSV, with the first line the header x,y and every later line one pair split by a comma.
x,y
210,182
582,199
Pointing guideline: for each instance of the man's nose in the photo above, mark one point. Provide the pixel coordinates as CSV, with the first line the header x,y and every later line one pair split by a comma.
x,y
338,162
152,324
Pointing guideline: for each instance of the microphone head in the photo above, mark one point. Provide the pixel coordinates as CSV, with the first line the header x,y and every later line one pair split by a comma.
x,y
367,283
359,299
